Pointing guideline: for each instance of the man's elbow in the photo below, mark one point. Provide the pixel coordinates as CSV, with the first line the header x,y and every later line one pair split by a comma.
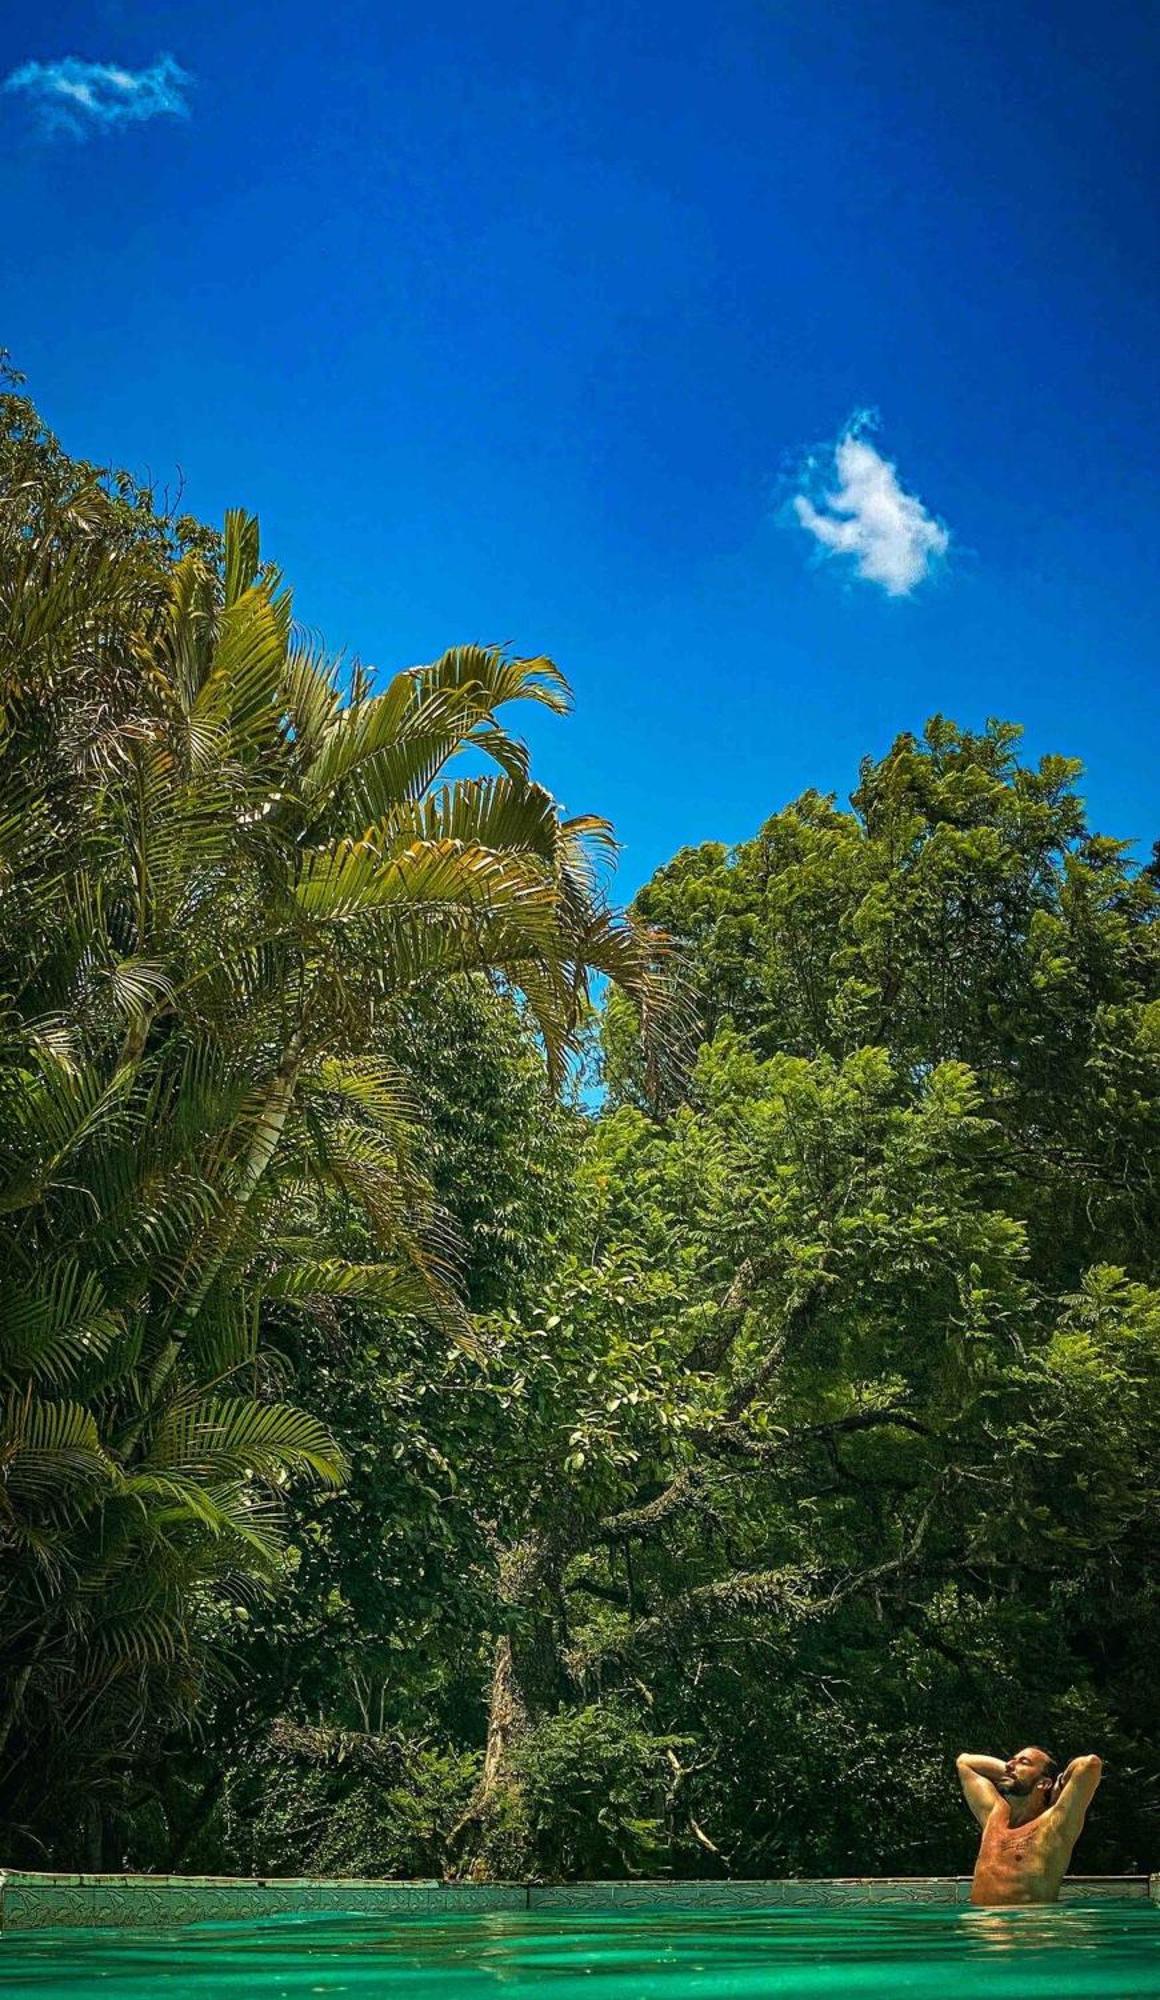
x,y
963,1761
1086,1772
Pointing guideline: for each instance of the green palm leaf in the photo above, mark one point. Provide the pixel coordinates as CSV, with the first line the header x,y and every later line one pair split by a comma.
x,y
225,872
58,1333
218,1440
47,1450
355,878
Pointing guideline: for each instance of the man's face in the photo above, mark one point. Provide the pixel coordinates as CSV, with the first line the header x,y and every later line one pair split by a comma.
x,y
1023,1772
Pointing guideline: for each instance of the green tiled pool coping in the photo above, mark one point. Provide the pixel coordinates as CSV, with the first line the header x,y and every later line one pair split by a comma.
x,y
31,1901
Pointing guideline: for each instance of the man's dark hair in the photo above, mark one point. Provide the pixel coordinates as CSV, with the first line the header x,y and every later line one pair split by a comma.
x,y
1053,1765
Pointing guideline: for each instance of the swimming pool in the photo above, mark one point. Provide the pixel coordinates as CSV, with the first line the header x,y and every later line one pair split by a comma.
x,y
1099,1951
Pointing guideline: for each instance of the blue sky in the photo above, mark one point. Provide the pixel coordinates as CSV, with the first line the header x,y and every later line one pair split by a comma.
x,y
520,322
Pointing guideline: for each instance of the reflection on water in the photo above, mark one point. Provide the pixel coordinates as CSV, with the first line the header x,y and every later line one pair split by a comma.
x,y
1042,1928
1099,1951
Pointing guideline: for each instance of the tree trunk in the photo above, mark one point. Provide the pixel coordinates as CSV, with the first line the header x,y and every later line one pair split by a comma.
x,y
202,1812
94,1837
489,1842
507,1717
19,1685
528,1678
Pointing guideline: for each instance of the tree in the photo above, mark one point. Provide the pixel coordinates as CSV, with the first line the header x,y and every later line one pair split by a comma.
x,y
800,1454
495,1485
961,911
843,1420
343,1737
732,1410
222,870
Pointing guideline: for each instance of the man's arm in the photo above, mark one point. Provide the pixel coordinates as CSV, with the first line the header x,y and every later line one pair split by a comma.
x,y
1074,1791
977,1776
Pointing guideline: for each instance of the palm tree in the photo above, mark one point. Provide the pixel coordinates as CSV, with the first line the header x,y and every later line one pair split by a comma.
x,y
222,869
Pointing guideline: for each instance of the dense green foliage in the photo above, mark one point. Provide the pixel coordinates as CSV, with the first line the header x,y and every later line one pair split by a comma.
x,y
407,1469
231,884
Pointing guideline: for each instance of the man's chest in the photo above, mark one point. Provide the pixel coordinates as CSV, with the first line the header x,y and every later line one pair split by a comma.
x,y
1020,1851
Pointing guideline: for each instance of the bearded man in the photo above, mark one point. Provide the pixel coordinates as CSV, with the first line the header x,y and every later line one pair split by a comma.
x,y
1031,1814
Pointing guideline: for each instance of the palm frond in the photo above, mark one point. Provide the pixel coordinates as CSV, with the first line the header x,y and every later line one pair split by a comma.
x,y
58,1333
217,1440
498,677
355,877
48,1449
398,1287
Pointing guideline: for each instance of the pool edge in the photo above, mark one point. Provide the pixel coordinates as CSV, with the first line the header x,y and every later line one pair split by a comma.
x,y
32,1901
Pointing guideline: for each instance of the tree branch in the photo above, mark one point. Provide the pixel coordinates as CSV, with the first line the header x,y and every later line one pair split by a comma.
x,y
685,1488
607,1593
790,1593
798,1319
709,1354
733,1438
636,1523
780,1590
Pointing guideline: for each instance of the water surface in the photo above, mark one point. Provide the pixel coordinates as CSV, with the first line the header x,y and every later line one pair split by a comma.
x,y
1098,1951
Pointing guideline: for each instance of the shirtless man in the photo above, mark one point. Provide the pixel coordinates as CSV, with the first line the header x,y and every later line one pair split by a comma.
x,y
1031,1814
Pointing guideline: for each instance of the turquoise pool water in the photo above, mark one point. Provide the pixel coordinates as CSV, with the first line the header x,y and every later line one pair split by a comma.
x,y
1098,1951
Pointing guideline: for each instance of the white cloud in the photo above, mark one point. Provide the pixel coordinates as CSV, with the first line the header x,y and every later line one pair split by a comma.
x,y
76,98
887,532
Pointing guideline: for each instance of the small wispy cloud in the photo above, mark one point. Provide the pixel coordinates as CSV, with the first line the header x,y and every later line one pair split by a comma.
x,y
855,507
74,98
